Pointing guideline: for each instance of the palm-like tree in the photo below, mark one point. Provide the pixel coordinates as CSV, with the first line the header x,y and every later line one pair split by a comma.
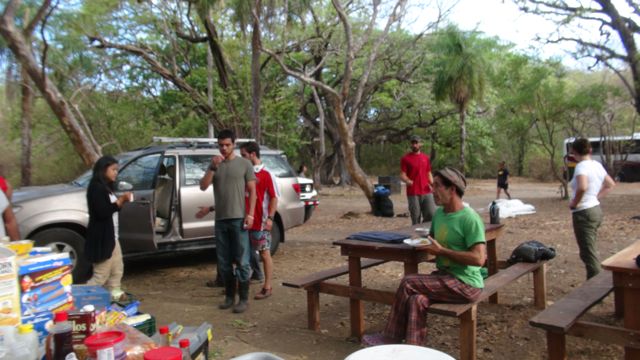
x,y
460,74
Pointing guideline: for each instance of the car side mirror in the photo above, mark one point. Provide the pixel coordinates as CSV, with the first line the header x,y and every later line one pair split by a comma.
x,y
124,186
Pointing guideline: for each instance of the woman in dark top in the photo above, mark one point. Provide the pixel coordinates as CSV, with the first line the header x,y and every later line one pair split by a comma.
x,y
101,246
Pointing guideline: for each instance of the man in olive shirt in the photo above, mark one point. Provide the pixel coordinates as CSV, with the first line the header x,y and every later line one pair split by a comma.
x,y
457,240
232,176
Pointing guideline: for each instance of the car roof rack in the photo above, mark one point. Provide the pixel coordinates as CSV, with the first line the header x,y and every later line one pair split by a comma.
x,y
190,140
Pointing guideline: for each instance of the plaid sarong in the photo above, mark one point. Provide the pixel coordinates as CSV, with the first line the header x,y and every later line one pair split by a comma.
x,y
408,316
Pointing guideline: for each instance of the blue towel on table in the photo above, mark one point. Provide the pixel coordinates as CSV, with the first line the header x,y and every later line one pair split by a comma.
x,y
379,236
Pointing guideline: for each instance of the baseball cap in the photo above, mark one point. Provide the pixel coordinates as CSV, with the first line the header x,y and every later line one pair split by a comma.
x,y
454,176
415,138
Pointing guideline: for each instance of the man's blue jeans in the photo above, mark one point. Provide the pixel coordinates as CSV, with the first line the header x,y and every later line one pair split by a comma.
x,y
232,245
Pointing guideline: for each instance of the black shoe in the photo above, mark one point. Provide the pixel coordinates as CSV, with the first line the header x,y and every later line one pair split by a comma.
x,y
228,302
243,303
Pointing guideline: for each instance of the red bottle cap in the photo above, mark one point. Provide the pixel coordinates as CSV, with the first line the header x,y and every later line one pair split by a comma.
x,y
163,330
184,343
60,316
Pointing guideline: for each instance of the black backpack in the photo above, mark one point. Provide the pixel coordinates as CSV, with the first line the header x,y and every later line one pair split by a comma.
x,y
531,251
382,204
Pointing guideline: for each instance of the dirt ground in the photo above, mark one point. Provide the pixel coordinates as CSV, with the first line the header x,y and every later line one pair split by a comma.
x,y
172,287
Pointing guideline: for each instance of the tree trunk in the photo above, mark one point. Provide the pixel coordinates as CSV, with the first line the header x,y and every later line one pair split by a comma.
x,y
256,89
25,132
463,140
58,104
349,149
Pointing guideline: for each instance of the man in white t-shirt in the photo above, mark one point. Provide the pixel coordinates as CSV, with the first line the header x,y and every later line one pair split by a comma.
x,y
9,224
589,184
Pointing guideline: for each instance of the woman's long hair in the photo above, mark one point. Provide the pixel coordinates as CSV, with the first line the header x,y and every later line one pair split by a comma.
x,y
99,169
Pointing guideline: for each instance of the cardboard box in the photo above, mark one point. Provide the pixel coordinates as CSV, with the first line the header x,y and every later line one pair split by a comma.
x,y
36,279
94,295
43,262
9,291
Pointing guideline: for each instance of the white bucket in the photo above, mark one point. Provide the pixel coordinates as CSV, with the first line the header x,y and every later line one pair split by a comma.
x,y
398,352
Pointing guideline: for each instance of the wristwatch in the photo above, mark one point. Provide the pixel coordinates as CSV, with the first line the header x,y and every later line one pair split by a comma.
x,y
211,208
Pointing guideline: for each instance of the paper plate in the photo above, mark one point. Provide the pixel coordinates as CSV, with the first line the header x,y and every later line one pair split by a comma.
x,y
417,242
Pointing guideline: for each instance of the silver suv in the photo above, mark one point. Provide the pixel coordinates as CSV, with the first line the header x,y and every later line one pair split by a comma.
x,y
165,181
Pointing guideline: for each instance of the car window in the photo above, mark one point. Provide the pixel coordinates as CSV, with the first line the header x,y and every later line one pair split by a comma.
x,y
140,172
84,179
277,165
194,168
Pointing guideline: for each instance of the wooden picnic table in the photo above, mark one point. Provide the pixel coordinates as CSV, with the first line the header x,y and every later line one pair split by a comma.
x,y
411,256
626,284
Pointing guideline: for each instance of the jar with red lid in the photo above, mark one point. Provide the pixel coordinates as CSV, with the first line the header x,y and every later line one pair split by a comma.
x,y
106,345
163,353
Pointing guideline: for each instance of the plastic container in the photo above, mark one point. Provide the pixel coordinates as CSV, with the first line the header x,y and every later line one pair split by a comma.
x,y
163,353
7,338
199,339
163,339
494,213
59,342
26,343
108,345
184,348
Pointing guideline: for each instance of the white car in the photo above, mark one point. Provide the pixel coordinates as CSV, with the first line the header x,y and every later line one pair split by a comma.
x,y
308,196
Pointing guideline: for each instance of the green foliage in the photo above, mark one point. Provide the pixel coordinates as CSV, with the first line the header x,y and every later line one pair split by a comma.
x,y
528,107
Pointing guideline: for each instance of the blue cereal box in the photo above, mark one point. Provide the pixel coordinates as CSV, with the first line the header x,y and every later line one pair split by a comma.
x,y
94,295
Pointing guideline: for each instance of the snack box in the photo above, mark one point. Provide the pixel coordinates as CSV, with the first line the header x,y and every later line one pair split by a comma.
x,y
37,279
84,325
58,301
9,291
94,295
42,295
43,262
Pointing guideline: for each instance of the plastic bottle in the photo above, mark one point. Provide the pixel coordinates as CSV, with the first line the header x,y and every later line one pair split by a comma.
x,y
7,338
26,343
494,213
165,339
59,340
184,347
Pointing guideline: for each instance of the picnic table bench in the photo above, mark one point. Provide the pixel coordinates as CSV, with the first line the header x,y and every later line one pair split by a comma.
x,y
563,317
365,254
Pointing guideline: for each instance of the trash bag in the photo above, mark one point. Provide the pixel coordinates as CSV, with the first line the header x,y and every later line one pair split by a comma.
x,y
531,251
382,204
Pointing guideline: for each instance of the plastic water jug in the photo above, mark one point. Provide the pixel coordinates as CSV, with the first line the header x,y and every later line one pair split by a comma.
x,y
26,345
494,213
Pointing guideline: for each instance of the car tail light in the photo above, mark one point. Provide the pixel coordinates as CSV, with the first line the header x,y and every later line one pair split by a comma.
x,y
296,188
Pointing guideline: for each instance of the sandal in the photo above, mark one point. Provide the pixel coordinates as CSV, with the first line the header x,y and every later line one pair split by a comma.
x,y
263,294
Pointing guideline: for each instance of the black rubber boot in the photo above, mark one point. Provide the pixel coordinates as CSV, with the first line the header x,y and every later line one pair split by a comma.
x,y
243,303
229,293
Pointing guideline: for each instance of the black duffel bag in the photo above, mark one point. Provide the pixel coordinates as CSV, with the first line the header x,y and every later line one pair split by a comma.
x,y
531,251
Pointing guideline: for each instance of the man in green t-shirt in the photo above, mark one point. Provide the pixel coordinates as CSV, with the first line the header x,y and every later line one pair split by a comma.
x,y
457,240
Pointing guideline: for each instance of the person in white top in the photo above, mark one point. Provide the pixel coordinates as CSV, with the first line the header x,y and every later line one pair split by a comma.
x,y
589,184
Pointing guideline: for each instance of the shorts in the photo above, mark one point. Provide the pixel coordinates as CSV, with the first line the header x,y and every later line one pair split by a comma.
x,y
260,240
503,186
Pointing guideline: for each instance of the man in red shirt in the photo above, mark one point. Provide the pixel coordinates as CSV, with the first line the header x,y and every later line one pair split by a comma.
x,y
415,171
265,210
